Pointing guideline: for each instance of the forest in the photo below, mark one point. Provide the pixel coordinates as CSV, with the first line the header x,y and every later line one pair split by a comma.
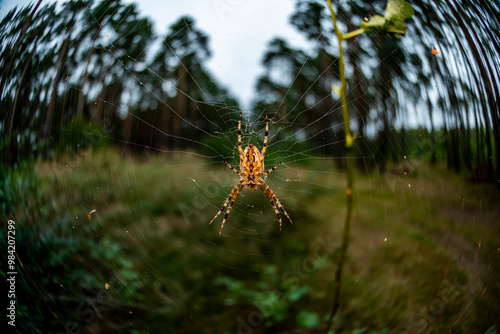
x,y
90,87
65,59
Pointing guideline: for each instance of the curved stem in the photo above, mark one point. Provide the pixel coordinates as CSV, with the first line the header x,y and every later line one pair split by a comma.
x,y
353,33
343,91
350,175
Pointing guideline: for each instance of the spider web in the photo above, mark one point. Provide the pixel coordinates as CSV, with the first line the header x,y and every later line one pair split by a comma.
x,y
171,193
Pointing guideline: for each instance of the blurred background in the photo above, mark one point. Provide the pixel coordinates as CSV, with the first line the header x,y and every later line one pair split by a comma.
x,y
116,120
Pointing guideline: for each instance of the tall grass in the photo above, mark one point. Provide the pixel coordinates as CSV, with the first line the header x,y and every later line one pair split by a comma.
x,y
149,239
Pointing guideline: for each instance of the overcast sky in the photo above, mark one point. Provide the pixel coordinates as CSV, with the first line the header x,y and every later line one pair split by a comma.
x,y
239,33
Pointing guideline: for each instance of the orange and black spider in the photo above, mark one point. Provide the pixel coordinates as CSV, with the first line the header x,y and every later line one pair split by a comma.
x,y
251,173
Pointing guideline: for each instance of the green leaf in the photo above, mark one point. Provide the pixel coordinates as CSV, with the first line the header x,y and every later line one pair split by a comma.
x,y
397,11
296,294
376,21
307,319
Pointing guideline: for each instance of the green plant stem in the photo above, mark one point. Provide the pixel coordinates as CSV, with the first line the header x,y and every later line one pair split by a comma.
x,y
353,33
343,91
350,176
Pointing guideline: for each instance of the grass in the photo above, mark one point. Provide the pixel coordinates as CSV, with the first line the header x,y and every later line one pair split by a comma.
x,y
424,253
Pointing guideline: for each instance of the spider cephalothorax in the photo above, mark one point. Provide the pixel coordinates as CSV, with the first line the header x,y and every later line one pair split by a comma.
x,y
251,173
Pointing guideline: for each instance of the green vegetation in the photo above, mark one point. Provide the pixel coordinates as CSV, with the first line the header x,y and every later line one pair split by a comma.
x,y
111,237
99,65
424,249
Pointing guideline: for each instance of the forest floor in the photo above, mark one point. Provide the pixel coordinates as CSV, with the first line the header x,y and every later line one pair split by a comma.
x,y
424,255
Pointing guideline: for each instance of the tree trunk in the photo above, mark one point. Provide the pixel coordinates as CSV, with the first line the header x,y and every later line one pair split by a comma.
x,y
433,132
491,89
127,127
162,138
13,52
384,102
19,86
81,94
181,101
359,102
97,109
446,141
55,86
466,133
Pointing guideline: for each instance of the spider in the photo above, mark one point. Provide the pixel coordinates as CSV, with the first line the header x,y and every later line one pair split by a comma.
x,y
251,175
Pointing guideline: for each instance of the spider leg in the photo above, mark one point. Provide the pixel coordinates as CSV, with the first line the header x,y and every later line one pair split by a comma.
x,y
233,192
232,197
264,148
275,209
272,169
274,202
240,150
230,206
232,168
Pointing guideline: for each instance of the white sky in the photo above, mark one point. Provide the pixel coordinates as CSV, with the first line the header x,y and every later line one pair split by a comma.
x,y
239,32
